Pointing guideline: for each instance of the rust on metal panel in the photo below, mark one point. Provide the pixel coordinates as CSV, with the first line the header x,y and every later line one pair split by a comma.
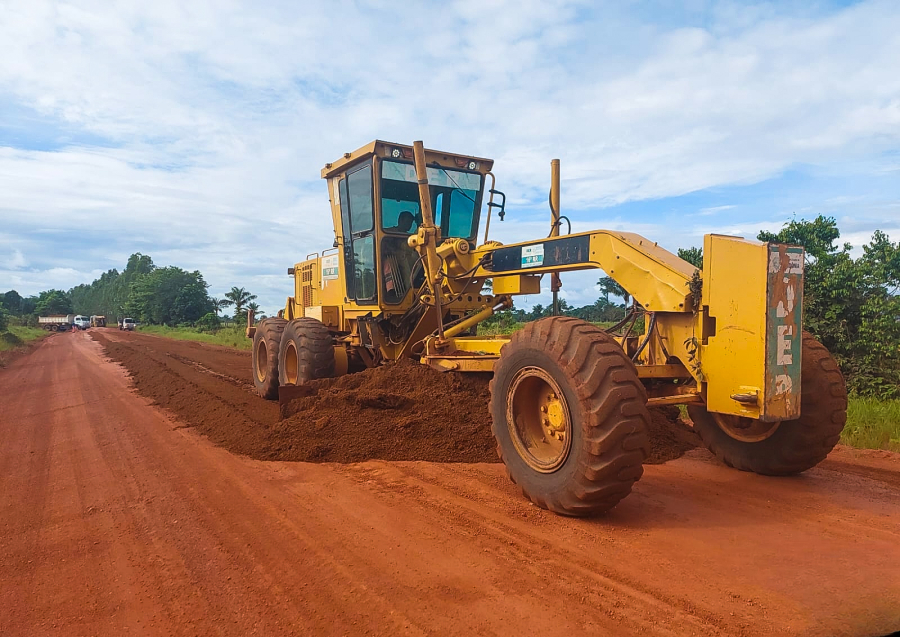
x,y
783,332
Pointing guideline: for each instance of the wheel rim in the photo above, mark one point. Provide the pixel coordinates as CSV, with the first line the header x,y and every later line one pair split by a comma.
x,y
745,429
537,416
262,360
291,363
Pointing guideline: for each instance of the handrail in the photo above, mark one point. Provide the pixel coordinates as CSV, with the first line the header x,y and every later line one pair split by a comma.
x,y
487,223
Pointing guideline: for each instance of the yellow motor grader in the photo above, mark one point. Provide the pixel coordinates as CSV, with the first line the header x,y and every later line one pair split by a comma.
x,y
569,400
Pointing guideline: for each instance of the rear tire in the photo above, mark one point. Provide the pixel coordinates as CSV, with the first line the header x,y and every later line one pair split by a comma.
x,y
569,416
306,353
796,445
266,345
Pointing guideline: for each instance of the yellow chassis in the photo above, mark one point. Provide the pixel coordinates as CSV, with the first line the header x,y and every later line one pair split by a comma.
x,y
728,335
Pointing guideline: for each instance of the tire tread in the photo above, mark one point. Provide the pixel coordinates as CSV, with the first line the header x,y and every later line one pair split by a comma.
x,y
804,442
613,401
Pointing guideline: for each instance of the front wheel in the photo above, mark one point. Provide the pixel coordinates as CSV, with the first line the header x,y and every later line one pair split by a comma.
x,y
266,343
569,416
791,446
306,352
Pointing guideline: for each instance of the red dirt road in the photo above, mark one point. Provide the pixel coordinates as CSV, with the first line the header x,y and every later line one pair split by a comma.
x,y
117,519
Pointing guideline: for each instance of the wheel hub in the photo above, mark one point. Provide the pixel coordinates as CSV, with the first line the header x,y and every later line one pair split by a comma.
x,y
745,429
538,420
291,363
262,360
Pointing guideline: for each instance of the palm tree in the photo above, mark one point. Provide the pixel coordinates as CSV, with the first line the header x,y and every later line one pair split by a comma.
x,y
239,297
219,304
253,306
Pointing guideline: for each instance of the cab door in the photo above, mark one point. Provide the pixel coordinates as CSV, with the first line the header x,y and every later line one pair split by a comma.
x,y
358,230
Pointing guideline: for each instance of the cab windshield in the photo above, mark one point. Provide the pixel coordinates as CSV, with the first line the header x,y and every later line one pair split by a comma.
x,y
454,196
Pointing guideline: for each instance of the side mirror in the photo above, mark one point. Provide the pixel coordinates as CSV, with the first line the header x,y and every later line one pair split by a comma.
x,y
501,205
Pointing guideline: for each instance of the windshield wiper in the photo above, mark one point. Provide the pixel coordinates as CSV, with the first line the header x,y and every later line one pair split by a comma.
x,y
458,187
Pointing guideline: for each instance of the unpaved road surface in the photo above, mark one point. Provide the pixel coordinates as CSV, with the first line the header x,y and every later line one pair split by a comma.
x,y
118,518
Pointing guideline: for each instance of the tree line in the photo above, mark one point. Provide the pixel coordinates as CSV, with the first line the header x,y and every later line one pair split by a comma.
x,y
148,293
851,304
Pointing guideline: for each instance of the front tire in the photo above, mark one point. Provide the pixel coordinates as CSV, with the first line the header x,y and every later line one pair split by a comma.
x,y
306,353
266,345
570,416
795,445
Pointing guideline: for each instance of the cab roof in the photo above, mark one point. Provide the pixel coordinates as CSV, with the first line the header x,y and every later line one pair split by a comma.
x,y
384,149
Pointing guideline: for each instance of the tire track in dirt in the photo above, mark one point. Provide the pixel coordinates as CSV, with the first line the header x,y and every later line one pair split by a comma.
x,y
144,528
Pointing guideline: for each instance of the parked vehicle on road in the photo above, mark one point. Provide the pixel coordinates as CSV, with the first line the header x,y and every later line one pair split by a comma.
x,y
98,320
57,322
82,322
128,325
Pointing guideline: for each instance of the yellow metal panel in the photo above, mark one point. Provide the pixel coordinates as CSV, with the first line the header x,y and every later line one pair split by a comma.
x,y
733,357
333,288
327,314
656,278
461,363
662,371
476,344
519,284
306,282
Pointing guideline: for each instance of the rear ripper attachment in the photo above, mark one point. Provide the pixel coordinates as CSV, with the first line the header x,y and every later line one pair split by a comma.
x,y
407,278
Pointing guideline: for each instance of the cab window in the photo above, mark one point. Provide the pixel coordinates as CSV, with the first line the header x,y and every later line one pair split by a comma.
x,y
359,190
357,225
455,196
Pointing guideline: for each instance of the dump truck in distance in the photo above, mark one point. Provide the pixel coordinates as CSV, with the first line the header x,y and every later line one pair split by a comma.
x,y
98,320
569,400
57,322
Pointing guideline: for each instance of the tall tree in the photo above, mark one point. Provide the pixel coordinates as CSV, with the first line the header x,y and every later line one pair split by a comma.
x,y
53,302
12,301
219,304
608,286
851,304
170,296
239,297
694,256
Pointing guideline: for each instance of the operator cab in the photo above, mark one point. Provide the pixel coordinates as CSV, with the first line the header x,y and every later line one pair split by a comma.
x,y
377,208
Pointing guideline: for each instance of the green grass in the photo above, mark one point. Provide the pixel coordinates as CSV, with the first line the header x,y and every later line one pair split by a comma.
x,y
227,336
872,424
23,335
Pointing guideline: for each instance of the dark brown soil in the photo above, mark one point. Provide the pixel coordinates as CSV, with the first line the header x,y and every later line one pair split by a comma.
x,y
409,411
405,411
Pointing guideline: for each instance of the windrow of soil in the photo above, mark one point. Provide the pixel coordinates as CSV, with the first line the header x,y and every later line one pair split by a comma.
x,y
404,411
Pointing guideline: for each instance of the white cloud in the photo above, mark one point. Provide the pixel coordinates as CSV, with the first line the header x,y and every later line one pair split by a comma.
x,y
218,116
714,210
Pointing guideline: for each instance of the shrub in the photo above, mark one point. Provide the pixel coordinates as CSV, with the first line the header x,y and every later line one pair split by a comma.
x,y
208,323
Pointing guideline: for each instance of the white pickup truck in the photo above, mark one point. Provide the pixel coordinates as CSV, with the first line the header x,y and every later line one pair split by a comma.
x,y
128,324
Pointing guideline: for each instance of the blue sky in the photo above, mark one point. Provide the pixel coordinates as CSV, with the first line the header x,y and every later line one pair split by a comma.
x,y
195,132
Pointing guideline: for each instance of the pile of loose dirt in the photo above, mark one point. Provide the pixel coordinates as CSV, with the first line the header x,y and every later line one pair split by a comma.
x,y
404,411
670,438
408,411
